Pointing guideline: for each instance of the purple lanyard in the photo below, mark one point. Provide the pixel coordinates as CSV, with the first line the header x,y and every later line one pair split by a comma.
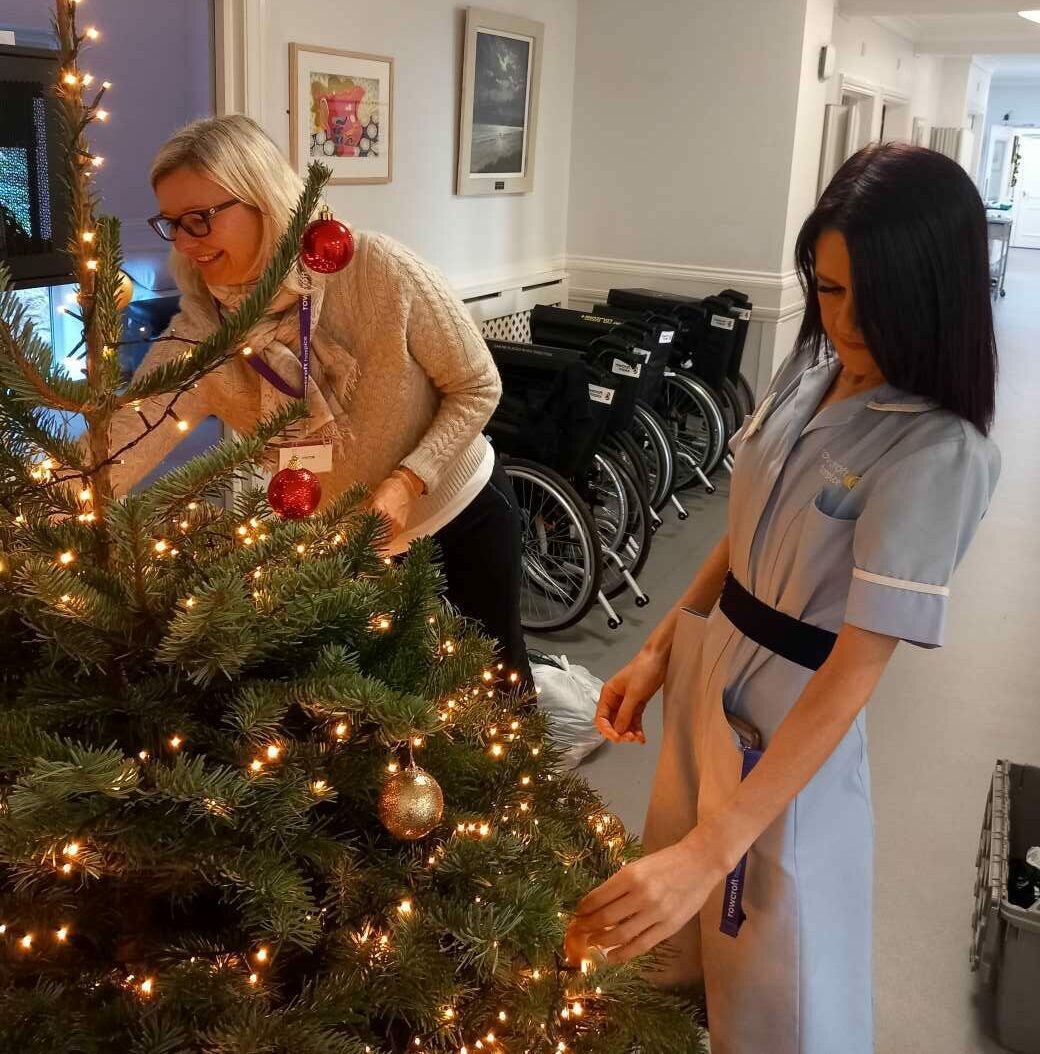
x,y
270,375
733,891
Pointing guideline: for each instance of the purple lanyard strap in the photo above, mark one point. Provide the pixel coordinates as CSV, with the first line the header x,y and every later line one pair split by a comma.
x,y
270,375
733,891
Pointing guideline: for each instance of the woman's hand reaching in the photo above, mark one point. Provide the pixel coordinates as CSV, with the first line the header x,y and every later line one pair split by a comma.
x,y
394,499
622,700
647,901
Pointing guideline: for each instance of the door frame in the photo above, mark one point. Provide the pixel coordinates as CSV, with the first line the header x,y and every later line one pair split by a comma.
x,y
1020,134
239,36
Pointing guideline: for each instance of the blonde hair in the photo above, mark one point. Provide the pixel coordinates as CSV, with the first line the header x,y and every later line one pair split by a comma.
x,y
237,153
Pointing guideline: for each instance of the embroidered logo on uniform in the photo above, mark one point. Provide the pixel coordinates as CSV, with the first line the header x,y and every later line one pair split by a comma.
x,y
837,474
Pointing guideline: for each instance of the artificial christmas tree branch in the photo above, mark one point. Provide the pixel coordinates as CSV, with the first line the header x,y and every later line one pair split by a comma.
x,y
259,789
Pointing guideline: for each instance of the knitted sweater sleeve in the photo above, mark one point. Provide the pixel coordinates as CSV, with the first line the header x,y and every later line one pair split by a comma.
x,y
192,408
444,340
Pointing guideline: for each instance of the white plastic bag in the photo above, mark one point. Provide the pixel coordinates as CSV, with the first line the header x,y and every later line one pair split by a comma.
x,y
568,694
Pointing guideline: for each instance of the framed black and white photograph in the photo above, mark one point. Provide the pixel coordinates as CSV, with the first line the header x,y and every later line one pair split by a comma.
x,y
499,114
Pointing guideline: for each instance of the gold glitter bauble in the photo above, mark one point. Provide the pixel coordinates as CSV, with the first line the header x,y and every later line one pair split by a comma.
x,y
607,825
411,804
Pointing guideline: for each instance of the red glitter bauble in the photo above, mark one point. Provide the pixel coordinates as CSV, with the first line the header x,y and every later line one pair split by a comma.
x,y
294,493
327,246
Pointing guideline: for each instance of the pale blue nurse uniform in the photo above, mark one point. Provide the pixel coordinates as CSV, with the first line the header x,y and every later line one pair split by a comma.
x,y
858,514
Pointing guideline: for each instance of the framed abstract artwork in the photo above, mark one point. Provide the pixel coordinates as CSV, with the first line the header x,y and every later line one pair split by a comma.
x,y
498,123
341,112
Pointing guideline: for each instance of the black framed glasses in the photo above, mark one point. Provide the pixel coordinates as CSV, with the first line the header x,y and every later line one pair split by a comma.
x,y
197,222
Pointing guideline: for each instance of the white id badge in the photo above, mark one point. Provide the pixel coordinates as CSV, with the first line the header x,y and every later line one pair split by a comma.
x,y
315,456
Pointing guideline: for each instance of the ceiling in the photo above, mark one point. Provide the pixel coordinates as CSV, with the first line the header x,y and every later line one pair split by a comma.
x,y
962,27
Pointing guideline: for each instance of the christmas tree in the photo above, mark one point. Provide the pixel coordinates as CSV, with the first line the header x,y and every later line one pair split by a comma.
x,y
260,789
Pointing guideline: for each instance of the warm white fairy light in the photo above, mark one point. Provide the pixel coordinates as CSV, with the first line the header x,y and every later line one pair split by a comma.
x,y
405,907
26,941
393,767
71,849
66,869
418,741
102,115
182,426
88,79
92,33
106,85
70,79
319,787
247,351
262,955
66,557
97,161
341,730
147,986
62,934
256,765
92,265
274,751
161,546
254,978
497,750
175,742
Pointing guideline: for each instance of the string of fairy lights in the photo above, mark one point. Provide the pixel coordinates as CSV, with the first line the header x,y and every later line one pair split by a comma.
x,y
73,857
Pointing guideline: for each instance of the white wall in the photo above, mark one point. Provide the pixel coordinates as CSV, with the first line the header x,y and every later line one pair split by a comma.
x,y
473,240
683,120
963,90
1021,99
874,55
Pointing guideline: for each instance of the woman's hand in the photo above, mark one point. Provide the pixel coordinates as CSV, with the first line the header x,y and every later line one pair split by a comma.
x,y
394,499
622,700
647,901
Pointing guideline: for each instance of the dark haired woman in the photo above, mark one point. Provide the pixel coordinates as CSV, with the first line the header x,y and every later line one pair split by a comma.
x,y
859,483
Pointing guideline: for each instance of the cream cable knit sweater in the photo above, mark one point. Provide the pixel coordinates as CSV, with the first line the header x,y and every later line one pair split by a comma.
x,y
427,384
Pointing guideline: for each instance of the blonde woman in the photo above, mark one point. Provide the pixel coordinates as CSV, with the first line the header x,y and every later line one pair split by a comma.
x,y
402,383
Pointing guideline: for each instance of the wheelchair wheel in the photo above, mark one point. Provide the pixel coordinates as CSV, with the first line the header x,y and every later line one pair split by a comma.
x,y
622,516
747,396
650,433
561,558
695,426
731,405
626,449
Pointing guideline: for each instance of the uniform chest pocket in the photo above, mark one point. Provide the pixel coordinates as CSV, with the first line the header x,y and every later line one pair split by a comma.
x,y
824,543
835,502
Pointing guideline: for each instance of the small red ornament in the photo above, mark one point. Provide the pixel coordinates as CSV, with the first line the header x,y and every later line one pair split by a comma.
x,y
327,244
294,493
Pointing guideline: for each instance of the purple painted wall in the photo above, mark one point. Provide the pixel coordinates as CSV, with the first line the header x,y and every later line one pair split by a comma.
x,y
158,56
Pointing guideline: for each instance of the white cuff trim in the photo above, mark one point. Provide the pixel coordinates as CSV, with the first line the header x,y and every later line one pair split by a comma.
x,y
901,583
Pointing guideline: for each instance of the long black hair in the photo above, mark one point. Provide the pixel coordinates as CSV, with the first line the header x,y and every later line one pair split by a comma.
x,y
915,228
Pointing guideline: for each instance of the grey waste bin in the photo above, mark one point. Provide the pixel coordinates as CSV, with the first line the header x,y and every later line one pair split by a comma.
x,y
1006,942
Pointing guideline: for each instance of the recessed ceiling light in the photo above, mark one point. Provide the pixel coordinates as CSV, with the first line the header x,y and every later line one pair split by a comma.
x,y
1033,16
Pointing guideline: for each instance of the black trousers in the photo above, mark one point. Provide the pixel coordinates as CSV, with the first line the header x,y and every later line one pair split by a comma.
x,y
480,551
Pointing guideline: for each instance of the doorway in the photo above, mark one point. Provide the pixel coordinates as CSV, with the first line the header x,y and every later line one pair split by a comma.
x,y
1025,234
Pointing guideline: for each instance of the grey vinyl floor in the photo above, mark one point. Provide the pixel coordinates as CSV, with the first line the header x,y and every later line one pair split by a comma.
x,y
937,723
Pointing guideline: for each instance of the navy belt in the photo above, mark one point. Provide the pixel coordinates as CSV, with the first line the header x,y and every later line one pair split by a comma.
x,y
796,641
